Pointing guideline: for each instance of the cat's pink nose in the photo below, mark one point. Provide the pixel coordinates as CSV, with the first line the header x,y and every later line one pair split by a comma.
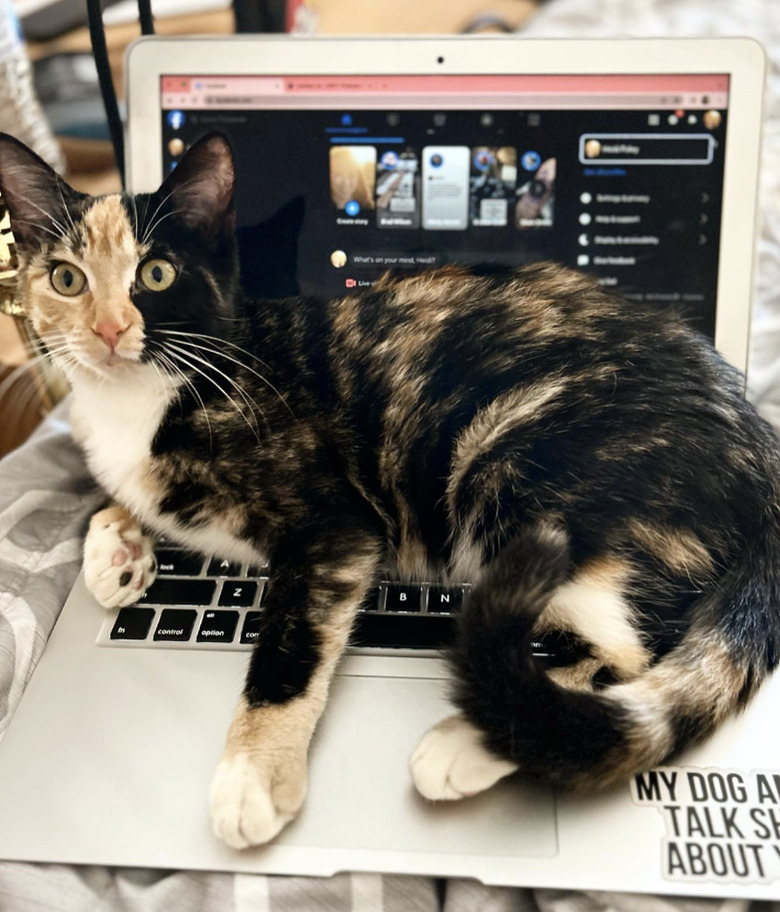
x,y
109,332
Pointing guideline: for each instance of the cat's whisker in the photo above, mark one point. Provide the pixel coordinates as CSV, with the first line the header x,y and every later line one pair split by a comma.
x,y
169,365
66,210
58,225
214,351
18,374
135,216
217,339
179,357
250,403
239,389
38,227
152,224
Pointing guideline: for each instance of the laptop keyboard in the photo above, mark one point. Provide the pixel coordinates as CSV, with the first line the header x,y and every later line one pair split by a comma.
x,y
199,602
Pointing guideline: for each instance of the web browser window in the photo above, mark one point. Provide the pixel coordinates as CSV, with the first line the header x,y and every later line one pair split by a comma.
x,y
343,178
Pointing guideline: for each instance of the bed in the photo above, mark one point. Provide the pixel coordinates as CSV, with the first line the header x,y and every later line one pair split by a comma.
x,y
46,498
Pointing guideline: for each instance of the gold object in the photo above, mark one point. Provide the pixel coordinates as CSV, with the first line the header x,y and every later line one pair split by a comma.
x,y
50,384
8,303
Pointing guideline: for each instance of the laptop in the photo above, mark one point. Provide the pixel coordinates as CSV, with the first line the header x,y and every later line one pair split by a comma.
x,y
636,161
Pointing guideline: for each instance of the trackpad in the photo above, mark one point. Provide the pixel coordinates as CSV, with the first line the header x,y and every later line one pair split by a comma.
x,y
361,795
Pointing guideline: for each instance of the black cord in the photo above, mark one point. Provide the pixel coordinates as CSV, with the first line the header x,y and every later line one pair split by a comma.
x,y
145,16
97,36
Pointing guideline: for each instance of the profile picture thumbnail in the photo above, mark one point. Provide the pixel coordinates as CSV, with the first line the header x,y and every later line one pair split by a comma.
x,y
592,148
352,177
711,119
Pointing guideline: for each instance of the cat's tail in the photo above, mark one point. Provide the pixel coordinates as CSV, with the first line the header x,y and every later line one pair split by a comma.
x,y
583,739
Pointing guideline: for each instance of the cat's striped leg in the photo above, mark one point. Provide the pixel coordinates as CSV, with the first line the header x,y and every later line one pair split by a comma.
x,y
119,560
260,783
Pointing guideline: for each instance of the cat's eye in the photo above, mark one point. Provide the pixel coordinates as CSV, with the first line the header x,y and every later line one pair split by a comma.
x,y
157,274
68,279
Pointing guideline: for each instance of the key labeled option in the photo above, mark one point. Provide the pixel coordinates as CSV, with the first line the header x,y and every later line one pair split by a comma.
x,y
218,627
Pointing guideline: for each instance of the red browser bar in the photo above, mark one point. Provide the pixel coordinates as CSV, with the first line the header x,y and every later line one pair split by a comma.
x,y
513,84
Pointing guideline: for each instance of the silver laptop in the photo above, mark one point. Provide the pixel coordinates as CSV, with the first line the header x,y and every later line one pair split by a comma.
x,y
636,161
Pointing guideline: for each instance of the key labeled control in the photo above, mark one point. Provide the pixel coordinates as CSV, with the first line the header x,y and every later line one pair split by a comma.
x,y
175,624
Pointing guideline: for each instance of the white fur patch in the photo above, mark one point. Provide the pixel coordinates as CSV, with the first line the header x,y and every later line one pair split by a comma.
x,y
451,762
246,809
118,420
593,606
118,560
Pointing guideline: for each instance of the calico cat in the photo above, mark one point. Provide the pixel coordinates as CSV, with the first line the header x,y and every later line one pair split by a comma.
x,y
589,466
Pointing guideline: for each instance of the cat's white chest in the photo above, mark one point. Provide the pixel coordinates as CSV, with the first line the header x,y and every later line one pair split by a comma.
x,y
116,425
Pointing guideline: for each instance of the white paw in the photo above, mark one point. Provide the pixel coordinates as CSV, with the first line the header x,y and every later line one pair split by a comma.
x,y
253,796
451,762
119,563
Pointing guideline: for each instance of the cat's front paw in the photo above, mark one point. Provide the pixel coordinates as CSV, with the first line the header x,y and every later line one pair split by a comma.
x,y
451,762
254,795
119,560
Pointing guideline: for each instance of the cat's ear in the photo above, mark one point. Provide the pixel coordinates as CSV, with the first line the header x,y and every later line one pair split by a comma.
x,y
200,188
36,196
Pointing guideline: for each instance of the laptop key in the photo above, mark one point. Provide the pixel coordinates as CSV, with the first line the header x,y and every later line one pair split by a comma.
x,y
132,623
218,627
175,624
219,567
251,629
373,599
404,598
178,563
238,593
446,599
397,631
179,592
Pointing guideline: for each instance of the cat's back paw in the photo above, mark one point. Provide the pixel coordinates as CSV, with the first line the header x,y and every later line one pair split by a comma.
x,y
254,796
119,562
451,762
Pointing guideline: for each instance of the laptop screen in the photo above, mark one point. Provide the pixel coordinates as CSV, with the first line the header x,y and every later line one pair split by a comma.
x,y
342,178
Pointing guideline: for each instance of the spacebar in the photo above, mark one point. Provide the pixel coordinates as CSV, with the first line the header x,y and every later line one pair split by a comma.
x,y
391,631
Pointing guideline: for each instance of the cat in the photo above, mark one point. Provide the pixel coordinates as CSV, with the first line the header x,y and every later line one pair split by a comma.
x,y
588,465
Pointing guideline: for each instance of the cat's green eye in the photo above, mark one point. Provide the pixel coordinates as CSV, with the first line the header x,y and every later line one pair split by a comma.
x,y
68,279
157,274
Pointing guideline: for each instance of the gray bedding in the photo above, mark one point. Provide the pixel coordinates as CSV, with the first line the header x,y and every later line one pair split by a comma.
x,y
46,498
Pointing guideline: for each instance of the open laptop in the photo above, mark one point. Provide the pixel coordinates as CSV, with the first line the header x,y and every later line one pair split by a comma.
x,y
636,161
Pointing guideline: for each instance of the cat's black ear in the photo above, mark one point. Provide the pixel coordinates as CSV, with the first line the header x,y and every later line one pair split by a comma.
x,y
36,196
200,188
